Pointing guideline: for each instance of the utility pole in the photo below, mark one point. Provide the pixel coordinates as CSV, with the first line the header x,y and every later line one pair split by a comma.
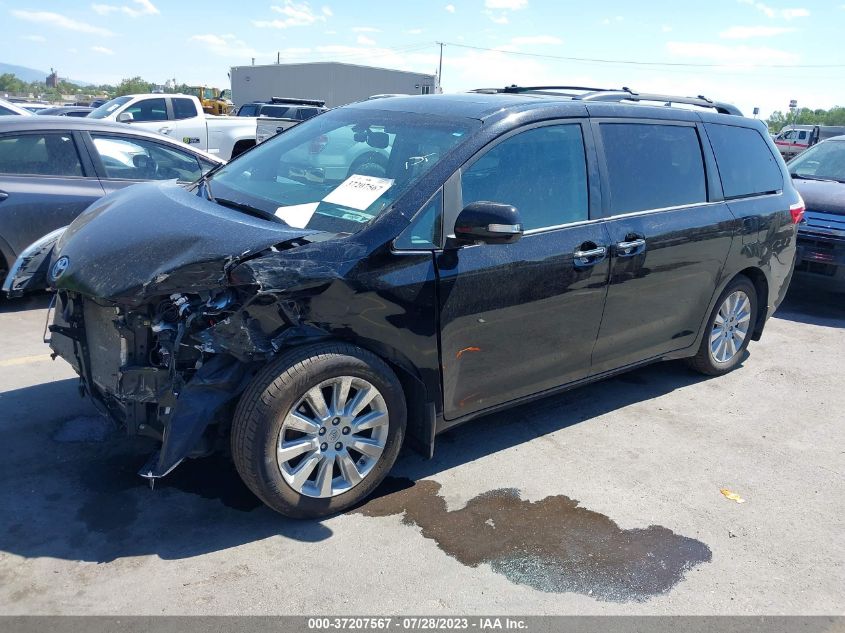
x,y
278,57
440,69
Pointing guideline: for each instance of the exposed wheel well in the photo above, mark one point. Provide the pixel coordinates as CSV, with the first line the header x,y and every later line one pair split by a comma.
x,y
761,285
241,146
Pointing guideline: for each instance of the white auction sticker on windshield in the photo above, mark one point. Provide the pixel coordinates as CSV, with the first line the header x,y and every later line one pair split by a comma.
x,y
297,215
359,192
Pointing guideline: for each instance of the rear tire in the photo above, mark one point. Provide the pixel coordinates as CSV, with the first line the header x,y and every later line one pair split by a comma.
x,y
728,330
277,435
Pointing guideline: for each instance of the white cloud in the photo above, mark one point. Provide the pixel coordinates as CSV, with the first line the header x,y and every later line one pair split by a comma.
x,y
34,38
225,45
327,11
770,12
537,39
731,55
450,8
363,40
414,31
509,5
103,50
295,14
498,18
746,32
365,29
60,21
144,7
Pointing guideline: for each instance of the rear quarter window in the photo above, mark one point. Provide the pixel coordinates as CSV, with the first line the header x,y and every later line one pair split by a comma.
x,y
746,164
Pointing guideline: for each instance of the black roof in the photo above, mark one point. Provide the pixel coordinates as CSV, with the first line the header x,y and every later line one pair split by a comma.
x,y
484,104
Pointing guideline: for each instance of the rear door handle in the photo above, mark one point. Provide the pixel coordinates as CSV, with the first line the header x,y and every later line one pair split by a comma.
x,y
3,195
165,130
629,248
589,257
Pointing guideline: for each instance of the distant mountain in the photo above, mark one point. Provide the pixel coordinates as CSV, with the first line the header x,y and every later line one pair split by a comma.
x,y
31,74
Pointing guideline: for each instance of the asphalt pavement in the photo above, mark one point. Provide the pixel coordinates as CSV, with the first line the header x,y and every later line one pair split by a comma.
x,y
604,500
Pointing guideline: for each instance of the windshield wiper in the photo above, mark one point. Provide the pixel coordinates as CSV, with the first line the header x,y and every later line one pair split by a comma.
x,y
254,211
809,177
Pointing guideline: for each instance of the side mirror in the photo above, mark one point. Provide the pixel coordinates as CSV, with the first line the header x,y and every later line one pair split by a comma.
x,y
125,117
488,223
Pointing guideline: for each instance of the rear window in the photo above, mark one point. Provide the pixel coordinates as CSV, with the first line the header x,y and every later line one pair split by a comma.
x,y
52,154
746,164
652,166
184,108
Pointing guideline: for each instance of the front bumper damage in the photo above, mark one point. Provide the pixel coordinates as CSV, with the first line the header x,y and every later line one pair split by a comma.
x,y
172,397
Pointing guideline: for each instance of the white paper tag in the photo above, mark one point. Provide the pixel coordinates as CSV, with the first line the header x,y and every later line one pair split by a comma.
x,y
359,192
297,215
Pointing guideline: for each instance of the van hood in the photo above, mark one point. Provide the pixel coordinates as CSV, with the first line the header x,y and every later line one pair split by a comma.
x,y
154,239
822,196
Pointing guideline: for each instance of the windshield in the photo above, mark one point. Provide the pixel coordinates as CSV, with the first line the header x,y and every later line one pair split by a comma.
x,y
824,161
338,171
108,107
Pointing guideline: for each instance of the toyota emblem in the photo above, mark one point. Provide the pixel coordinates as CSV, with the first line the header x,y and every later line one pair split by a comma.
x,y
59,267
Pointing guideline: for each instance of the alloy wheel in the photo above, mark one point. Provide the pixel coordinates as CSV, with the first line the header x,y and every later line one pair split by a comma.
x,y
332,437
730,327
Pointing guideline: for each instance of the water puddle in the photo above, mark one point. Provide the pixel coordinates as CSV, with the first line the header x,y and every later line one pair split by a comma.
x,y
552,545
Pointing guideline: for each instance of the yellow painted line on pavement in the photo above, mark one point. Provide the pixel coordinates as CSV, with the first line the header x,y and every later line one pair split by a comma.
x,y
24,360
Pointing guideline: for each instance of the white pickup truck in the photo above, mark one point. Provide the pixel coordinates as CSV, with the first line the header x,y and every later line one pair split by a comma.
x,y
181,116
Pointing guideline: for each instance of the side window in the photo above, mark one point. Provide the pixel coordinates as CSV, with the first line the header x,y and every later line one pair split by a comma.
x,y
788,136
39,154
542,172
183,108
424,232
307,113
802,135
127,158
148,110
6,111
746,164
652,166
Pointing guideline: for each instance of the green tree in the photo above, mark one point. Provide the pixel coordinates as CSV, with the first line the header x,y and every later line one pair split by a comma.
x,y
135,85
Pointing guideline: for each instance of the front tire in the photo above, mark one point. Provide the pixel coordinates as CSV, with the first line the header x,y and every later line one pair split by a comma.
x,y
318,429
728,329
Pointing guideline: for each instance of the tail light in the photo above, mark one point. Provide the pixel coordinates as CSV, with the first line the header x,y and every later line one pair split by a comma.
x,y
318,144
797,212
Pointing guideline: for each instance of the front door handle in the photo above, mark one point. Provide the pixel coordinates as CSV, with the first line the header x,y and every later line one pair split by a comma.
x,y
165,130
629,248
590,256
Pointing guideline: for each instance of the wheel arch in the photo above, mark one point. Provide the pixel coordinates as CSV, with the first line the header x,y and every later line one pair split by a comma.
x,y
761,286
422,410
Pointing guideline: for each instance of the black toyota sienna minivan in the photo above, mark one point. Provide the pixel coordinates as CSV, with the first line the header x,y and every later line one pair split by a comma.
x,y
393,268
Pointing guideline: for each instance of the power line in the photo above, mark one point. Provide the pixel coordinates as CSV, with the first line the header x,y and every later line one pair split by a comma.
x,y
593,60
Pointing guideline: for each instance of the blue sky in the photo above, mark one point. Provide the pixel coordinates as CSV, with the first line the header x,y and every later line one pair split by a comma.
x,y
749,52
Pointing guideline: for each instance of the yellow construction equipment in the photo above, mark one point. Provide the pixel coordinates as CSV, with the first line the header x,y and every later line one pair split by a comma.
x,y
214,101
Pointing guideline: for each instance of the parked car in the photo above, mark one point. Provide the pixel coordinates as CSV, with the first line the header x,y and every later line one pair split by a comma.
x,y
52,168
280,114
182,117
8,108
794,139
33,108
819,176
518,243
75,111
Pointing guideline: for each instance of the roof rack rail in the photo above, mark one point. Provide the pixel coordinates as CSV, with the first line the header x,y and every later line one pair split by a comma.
x,y
616,94
312,102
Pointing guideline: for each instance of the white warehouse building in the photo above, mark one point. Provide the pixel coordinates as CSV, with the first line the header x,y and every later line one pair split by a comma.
x,y
335,83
